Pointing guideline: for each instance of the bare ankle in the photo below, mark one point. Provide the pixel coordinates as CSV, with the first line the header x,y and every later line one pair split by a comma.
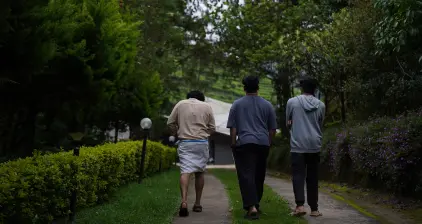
x,y
252,209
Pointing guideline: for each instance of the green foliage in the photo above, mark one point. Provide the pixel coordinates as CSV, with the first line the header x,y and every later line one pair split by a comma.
x,y
37,189
399,27
81,64
383,153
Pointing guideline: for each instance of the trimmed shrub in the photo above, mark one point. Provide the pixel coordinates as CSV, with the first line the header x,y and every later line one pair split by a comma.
x,y
37,189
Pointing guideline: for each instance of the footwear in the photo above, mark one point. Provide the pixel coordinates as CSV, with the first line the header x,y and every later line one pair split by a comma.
x,y
197,208
183,212
252,215
299,211
315,214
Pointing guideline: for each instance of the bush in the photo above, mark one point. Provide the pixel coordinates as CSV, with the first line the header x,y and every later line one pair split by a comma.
x,y
382,153
279,156
37,189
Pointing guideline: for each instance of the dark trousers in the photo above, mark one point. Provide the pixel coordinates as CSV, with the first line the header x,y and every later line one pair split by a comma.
x,y
251,166
305,167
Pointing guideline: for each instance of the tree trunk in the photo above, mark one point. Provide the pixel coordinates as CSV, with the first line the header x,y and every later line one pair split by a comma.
x,y
135,131
343,107
327,103
116,131
283,90
23,136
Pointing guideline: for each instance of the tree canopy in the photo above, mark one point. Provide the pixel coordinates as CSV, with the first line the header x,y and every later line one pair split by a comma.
x,y
86,65
365,54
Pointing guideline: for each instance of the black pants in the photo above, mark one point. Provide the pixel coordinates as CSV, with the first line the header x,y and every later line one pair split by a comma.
x,y
251,166
305,166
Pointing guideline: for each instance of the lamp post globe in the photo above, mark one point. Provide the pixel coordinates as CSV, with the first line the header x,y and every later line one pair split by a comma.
x,y
146,123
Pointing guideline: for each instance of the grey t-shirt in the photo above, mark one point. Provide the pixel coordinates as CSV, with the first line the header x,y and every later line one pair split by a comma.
x,y
253,117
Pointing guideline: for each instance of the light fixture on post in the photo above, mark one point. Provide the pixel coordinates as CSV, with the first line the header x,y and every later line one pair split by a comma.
x,y
146,125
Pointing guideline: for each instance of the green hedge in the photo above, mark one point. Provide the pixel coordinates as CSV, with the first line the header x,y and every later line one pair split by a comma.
x,y
37,189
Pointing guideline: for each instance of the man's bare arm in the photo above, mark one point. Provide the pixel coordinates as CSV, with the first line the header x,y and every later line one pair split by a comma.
x,y
231,123
272,135
289,115
172,121
272,125
233,135
211,123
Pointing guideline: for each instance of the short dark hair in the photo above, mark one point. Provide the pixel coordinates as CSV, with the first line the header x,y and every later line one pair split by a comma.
x,y
308,85
251,84
196,94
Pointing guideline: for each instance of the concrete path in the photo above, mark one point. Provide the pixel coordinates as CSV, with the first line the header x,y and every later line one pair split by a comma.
x,y
334,212
215,204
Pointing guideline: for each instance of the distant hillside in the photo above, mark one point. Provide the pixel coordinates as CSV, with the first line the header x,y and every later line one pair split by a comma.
x,y
228,91
222,89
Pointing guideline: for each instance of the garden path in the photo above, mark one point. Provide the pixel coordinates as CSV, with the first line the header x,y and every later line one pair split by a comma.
x,y
333,211
214,201
216,204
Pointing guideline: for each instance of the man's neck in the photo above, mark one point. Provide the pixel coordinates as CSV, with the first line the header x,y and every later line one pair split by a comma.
x,y
251,94
307,94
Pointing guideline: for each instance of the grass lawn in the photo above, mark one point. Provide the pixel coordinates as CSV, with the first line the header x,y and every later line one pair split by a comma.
x,y
155,201
275,209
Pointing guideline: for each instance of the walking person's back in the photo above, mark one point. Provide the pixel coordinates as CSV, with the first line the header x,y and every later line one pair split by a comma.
x,y
192,121
305,116
252,119
306,129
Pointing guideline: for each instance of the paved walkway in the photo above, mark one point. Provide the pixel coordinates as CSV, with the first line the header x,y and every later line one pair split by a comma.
x,y
214,201
334,212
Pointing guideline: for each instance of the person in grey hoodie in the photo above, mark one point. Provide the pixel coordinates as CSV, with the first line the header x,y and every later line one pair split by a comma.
x,y
305,116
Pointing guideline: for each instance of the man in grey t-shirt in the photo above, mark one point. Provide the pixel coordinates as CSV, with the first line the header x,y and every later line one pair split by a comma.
x,y
252,119
305,116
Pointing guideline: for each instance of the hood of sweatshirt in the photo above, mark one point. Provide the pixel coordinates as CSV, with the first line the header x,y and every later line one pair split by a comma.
x,y
309,102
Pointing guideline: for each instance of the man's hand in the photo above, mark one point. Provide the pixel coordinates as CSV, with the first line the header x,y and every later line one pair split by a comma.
x,y
172,139
233,145
289,124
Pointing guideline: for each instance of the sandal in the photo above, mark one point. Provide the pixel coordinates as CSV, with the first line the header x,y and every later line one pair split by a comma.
x,y
316,214
183,212
252,215
298,212
197,208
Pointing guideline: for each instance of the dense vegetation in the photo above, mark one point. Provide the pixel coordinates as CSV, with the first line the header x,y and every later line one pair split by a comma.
x,y
367,56
37,189
87,66
383,153
365,53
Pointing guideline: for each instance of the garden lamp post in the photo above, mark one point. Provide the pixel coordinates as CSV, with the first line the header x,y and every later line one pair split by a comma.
x,y
146,124
76,137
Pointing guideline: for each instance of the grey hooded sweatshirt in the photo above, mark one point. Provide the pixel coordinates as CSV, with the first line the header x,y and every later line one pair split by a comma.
x,y
307,115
